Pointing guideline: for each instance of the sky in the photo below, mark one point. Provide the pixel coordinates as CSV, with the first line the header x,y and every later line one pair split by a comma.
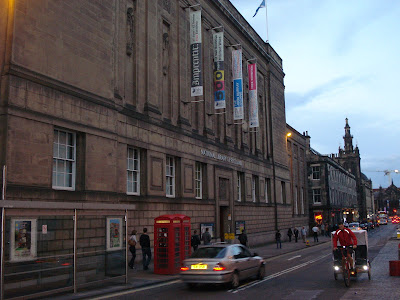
x,y
341,59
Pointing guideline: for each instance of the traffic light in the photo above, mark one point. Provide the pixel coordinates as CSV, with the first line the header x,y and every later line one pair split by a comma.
x,y
394,210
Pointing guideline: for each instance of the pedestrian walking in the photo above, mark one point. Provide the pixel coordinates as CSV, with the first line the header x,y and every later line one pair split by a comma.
x,y
278,239
322,229
243,238
315,230
195,240
289,234
132,248
296,234
303,234
328,230
146,251
206,238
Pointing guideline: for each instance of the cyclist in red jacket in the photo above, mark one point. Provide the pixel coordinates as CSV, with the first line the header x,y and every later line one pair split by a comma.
x,y
346,238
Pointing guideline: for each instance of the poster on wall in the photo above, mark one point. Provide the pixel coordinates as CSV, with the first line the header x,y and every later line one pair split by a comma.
x,y
219,75
237,84
239,226
210,227
114,234
23,239
195,54
253,103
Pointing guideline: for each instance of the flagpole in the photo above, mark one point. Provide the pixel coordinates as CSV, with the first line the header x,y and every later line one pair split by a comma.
x,y
266,17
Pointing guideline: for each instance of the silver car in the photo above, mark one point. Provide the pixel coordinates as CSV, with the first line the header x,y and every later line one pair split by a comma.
x,y
221,263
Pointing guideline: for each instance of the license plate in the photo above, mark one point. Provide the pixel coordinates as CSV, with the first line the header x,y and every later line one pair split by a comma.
x,y
198,267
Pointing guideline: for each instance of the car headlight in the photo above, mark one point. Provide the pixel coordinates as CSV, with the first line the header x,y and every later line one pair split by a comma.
x,y
365,268
336,268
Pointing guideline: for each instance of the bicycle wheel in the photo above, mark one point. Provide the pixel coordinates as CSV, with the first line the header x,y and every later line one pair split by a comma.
x,y
346,273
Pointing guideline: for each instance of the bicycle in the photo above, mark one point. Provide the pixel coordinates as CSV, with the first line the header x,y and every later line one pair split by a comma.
x,y
346,265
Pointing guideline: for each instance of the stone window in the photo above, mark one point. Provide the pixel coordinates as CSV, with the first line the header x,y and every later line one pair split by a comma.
x,y
267,190
316,196
283,192
239,186
170,176
199,180
64,160
316,172
296,209
253,189
302,201
133,172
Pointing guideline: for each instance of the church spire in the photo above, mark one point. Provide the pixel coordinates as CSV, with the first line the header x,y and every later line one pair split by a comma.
x,y
348,138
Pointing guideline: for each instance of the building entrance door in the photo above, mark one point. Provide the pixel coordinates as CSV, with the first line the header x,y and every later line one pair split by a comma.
x,y
223,222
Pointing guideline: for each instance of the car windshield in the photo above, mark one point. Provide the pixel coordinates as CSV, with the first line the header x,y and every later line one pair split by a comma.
x,y
209,252
354,224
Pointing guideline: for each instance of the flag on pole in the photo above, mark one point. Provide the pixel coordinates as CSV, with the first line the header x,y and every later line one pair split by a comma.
x,y
262,5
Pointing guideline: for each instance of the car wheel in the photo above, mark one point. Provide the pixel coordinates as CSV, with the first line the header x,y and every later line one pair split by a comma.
x,y
190,285
234,280
335,275
261,272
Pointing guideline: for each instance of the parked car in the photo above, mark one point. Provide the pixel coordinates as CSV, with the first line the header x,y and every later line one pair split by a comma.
x,y
364,226
371,225
221,264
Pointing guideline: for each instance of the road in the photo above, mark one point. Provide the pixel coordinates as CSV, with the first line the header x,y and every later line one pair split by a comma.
x,y
305,274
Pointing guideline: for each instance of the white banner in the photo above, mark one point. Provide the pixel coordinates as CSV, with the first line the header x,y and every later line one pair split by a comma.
x,y
195,53
237,85
219,74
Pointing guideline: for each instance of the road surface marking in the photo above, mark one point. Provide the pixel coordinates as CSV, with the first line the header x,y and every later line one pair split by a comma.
x,y
294,257
242,288
136,290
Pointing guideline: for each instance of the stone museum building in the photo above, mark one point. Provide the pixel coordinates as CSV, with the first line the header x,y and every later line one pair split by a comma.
x,y
113,113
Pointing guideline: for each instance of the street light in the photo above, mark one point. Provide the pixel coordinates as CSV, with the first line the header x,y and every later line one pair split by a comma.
x,y
289,134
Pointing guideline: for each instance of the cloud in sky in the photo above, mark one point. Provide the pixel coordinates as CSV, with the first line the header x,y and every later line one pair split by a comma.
x,y
341,59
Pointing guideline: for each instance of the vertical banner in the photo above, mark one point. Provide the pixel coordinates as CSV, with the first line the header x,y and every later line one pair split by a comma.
x,y
195,53
219,75
253,103
237,85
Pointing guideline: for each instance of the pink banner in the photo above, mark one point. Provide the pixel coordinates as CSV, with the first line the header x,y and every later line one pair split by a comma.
x,y
252,69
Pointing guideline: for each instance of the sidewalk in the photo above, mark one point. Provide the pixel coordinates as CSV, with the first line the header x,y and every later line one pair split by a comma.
x,y
139,278
382,285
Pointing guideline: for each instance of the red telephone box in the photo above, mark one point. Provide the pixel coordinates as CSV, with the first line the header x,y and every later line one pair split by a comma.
x,y
171,243
186,248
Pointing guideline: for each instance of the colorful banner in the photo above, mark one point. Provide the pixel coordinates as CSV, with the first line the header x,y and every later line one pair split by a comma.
x,y
219,75
114,234
23,239
253,103
237,85
195,54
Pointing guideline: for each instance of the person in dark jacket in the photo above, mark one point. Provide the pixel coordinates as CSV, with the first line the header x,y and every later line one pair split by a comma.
x,y
243,238
146,251
289,234
195,240
296,234
278,239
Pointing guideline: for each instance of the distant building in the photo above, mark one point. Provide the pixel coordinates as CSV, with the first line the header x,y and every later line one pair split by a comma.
x,y
387,199
332,190
350,159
